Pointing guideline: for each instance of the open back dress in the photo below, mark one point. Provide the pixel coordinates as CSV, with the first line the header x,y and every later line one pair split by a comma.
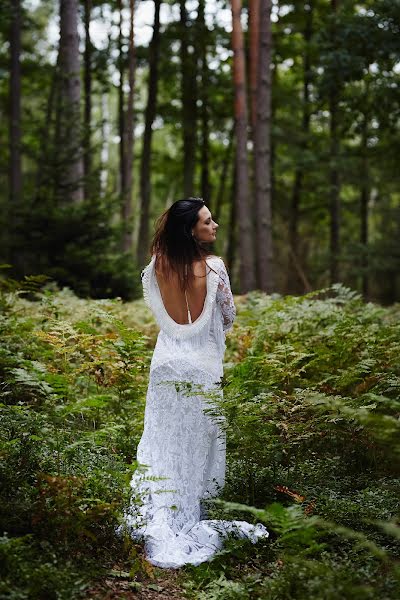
x,y
182,449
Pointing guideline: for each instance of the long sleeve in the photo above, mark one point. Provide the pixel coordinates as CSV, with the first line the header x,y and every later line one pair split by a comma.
x,y
224,299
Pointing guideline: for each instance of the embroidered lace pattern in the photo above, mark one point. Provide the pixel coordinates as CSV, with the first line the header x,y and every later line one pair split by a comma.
x,y
182,450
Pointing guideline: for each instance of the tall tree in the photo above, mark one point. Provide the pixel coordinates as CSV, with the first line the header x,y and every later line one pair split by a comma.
x,y
244,209
130,127
126,125
203,35
189,100
334,155
87,78
43,172
365,191
121,104
15,175
254,49
69,124
223,178
295,279
231,243
262,154
150,113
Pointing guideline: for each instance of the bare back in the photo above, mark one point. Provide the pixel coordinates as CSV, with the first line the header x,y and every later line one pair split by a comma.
x,y
174,299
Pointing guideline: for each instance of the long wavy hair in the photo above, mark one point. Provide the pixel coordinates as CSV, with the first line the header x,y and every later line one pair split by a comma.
x,y
173,240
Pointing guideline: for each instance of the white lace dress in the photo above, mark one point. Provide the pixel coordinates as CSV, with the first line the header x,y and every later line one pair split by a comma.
x,y
182,448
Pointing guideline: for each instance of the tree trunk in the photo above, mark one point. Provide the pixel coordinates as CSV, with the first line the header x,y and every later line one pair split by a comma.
x,y
202,31
335,191
43,176
88,98
295,281
262,154
364,201
145,183
232,228
69,139
128,139
121,106
274,82
15,105
244,209
334,170
254,48
15,174
189,102
105,140
226,163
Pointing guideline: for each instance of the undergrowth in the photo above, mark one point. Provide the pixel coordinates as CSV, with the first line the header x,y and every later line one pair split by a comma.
x,y
311,400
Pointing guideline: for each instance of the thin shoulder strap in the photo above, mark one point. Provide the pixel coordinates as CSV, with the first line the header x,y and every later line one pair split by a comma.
x,y
187,303
188,309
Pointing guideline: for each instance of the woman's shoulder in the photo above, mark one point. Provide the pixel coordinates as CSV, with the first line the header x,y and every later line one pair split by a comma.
x,y
216,263
214,258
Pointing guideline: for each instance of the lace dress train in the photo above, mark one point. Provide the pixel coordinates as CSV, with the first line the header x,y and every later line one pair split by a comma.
x,y
182,449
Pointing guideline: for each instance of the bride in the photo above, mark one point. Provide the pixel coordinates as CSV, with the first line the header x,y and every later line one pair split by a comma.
x,y
182,450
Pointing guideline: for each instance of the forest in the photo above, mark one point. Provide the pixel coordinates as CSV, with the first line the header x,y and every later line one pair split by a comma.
x,y
284,118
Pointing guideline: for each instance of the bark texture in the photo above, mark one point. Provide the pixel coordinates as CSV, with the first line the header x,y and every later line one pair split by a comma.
x,y
129,139
204,97
87,76
364,202
262,154
254,47
225,169
335,207
69,123
151,108
189,101
15,105
244,210
15,172
121,105
295,284
126,126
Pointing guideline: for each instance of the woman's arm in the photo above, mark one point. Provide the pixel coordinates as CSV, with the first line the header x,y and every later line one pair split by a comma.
x,y
225,298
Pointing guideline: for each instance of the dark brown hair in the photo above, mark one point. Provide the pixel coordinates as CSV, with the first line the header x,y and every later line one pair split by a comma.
x,y
174,241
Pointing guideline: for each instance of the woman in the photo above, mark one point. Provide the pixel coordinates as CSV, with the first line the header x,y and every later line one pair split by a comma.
x,y
183,444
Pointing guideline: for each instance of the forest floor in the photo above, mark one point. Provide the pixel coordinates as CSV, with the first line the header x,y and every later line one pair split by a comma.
x,y
162,584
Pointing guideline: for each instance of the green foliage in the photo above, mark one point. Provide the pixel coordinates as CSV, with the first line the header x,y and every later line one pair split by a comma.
x,y
71,409
311,399
33,570
352,52
320,376
81,248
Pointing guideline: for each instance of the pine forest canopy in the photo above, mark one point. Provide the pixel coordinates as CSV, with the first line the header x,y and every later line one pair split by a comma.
x,y
284,117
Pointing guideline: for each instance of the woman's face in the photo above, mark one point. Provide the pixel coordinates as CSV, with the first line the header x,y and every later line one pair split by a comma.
x,y
205,229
